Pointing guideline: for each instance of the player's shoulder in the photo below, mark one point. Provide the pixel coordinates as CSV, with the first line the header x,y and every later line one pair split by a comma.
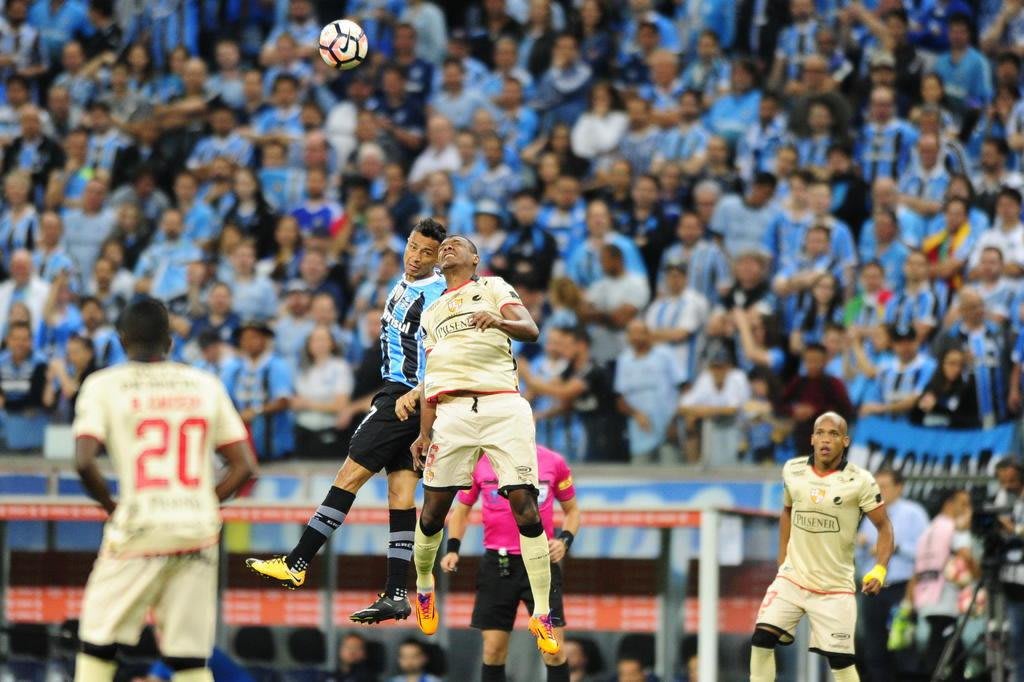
x,y
797,466
859,473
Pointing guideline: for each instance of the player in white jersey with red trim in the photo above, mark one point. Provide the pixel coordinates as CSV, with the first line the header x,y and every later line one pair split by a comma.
x,y
824,499
472,407
160,423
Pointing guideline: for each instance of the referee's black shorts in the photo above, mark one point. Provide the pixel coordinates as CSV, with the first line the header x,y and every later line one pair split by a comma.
x,y
381,441
498,598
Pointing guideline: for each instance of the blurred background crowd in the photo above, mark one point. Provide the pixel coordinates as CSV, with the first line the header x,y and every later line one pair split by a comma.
x,y
727,217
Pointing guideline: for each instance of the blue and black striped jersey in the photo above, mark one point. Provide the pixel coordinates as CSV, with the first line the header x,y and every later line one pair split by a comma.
x,y
402,357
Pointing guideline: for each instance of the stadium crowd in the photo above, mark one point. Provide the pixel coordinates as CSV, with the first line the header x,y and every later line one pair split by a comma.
x,y
728,216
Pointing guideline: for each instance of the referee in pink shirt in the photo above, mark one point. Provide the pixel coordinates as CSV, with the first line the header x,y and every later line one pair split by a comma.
x,y
503,583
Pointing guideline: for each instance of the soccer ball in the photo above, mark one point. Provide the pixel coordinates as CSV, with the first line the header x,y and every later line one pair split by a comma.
x,y
343,44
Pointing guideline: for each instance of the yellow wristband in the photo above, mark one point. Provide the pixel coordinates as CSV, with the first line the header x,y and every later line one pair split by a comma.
x,y
876,573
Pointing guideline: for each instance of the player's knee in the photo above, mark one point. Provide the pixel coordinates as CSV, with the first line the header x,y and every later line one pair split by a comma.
x,y
524,505
352,476
765,639
495,652
104,652
840,661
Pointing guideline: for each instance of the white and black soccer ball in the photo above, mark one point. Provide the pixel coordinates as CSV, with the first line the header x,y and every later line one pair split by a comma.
x,y
343,44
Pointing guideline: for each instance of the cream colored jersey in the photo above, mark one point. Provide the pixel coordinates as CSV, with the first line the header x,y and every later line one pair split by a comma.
x,y
459,356
161,424
826,511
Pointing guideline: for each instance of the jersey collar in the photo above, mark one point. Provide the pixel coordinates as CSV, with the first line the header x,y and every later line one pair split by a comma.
x,y
474,278
810,463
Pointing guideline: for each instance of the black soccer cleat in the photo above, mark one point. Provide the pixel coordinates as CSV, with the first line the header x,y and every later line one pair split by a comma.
x,y
385,608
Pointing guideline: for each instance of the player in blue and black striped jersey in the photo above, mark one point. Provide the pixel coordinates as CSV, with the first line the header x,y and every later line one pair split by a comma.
x,y
383,438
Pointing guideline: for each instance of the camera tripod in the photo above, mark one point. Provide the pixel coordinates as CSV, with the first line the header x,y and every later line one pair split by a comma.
x,y
993,638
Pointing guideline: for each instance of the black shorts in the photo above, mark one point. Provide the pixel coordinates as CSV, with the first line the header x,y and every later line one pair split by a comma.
x,y
381,441
497,598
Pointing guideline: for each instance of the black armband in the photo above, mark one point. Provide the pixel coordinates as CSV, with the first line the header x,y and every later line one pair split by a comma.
x,y
567,537
453,545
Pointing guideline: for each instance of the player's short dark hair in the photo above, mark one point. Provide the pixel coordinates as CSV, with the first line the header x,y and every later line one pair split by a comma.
x,y
895,474
1005,463
815,348
145,325
472,246
578,333
89,300
431,229
960,18
16,79
102,7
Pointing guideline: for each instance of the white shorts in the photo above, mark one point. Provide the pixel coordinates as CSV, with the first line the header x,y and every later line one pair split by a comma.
x,y
500,426
833,616
180,589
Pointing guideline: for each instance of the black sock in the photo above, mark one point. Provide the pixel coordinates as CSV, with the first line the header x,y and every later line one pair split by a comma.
x,y
403,534
492,673
558,673
532,530
328,518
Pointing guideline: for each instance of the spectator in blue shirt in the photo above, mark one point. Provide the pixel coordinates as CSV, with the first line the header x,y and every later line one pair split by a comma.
x,y
734,112
885,141
709,73
796,41
317,213
742,222
202,225
923,185
22,372
664,89
260,385
254,295
224,141
454,100
105,341
562,91
59,22
79,85
280,121
163,267
964,70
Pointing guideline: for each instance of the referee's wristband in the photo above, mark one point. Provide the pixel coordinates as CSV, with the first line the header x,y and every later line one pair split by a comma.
x,y
454,544
567,537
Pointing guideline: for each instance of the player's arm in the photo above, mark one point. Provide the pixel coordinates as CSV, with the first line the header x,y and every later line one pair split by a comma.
x,y
559,546
241,466
428,414
875,578
406,404
785,528
515,320
87,449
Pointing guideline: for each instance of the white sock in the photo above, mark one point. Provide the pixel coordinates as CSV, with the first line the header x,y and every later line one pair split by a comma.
x,y
424,553
91,669
762,664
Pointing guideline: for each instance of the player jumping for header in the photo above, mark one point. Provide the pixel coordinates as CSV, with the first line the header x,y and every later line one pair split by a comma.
x,y
824,498
382,439
472,406
161,422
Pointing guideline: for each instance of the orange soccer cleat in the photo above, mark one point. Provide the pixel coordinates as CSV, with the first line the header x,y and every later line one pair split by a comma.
x,y
426,612
541,628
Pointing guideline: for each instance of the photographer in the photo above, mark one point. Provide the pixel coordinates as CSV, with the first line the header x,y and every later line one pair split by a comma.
x,y
1010,498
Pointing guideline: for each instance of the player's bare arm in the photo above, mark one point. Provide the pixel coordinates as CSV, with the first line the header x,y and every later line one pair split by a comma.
x,y
87,449
457,523
883,550
785,528
241,466
428,414
559,546
515,321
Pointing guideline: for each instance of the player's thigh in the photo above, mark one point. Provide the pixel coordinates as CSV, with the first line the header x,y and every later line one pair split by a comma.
x,y
118,594
782,608
509,441
186,613
497,597
381,441
555,598
833,622
455,447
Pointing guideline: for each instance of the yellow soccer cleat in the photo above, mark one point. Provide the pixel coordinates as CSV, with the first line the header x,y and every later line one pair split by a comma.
x,y
277,571
544,631
426,612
